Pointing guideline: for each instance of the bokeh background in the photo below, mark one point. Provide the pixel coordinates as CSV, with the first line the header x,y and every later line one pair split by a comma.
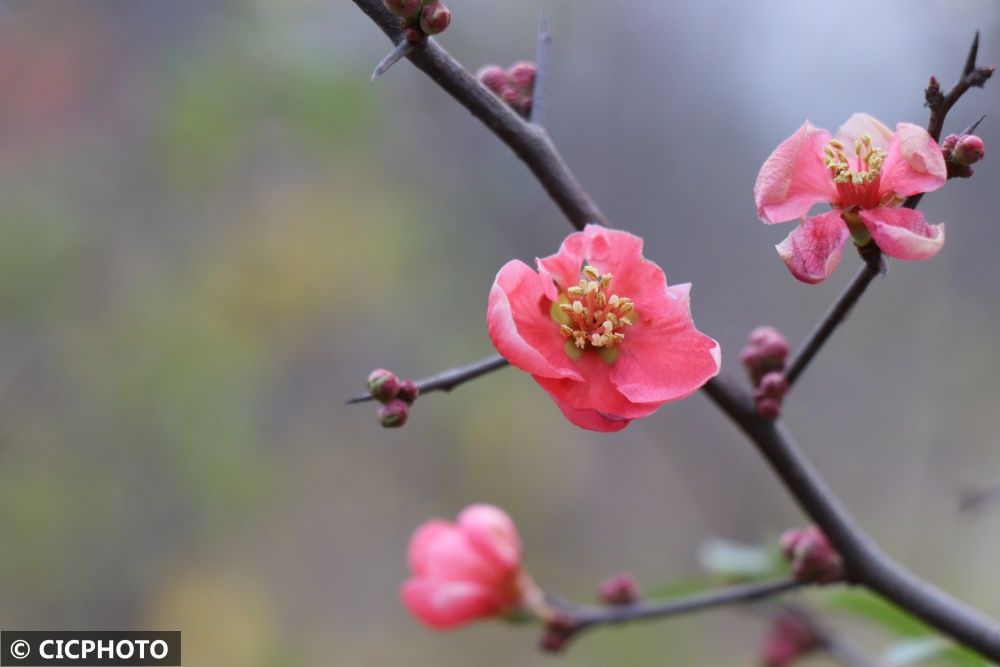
x,y
212,227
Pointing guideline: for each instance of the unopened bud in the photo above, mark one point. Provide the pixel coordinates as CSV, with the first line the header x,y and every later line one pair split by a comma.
x,y
766,350
788,639
619,589
522,76
393,414
402,8
493,77
558,631
383,385
812,556
435,18
969,149
408,391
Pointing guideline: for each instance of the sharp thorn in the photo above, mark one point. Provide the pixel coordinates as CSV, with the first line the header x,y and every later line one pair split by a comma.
x,y
970,62
972,128
402,50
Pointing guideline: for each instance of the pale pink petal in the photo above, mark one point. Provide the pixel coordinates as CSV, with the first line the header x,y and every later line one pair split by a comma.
x,y
592,420
490,530
449,556
862,123
422,537
903,233
597,392
794,177
449,604
519,322
813,249
666,359
914,163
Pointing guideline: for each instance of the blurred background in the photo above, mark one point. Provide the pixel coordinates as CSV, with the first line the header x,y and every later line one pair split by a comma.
x,y
212,227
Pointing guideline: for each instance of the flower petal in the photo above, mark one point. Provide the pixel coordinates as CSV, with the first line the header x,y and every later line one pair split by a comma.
x,y
490,530
813,249
666,359
609,251
449,556
862,123
903,233
423,536
914,163
520,324
794,177
449,604
592,420
597,392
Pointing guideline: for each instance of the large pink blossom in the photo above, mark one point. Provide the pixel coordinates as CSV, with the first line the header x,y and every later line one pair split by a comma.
x,y
865,173
599,329
467,570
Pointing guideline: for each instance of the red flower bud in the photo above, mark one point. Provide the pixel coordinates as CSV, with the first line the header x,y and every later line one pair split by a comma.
x,y
435,18
788,639
393,414
558,631
402,8
765,351
383,385
969,149
812,556
522,76
619,589
493,77
408,391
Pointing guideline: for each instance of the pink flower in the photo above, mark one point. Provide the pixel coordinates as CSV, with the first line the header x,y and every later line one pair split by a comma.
x,y
599,329
466,570
865,173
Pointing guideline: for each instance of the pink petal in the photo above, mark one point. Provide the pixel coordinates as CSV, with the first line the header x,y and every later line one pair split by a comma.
x,y
813,249
520,324
449,604
449,556
794,177
423,536
903,233
490,530
862,123
609,251
592,420
914,163
597,392
666,359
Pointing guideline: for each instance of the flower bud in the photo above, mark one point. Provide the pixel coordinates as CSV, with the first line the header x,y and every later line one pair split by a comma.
x,y
393,414
413,34
559,629
788,639
766,350
969,149
383,385
522,76
619,589
769,394
402,8
812,556
493,77
435,18
408,391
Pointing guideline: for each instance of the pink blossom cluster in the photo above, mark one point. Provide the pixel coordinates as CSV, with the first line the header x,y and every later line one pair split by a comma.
x,y
420,17
514,85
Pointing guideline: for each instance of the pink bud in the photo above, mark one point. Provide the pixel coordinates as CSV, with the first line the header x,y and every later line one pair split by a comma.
x,y
948,145
435,18
413,34
619,589
393,414
408,391
788,639
558,631
522,76
465,571
402,8
769,394
383,385
765,351
493,77
812,556
969,149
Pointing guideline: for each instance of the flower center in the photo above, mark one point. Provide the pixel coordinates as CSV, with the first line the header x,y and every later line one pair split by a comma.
x,y
592,316
856,177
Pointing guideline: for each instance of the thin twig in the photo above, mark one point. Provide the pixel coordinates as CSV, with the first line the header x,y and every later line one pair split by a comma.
x,y
451,378
873,266
581,617
542,60
973,76
529,142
